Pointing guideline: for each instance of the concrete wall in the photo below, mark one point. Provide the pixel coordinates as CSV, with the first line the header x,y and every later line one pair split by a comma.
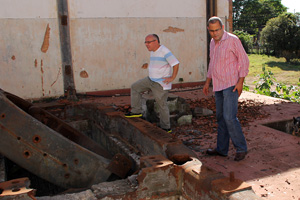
x,y
107,42
223,12
108,39
24,69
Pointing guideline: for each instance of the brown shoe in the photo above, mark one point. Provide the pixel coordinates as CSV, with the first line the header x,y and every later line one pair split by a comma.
x,y
240,156
214,152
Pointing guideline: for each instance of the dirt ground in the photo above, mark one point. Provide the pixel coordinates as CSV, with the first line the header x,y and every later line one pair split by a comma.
x,y
272,165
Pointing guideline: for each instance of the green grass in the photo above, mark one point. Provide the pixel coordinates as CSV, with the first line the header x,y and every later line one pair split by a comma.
x,y
286,73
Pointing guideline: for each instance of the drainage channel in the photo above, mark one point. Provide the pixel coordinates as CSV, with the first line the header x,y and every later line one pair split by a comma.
x,y
94,152
287,126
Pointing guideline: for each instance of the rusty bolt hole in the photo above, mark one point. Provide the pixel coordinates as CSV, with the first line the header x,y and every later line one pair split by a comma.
x,y
16,189
45,155
26,154
15,182
181,159
65,165
67,176
2,115
18,138
76,161
36,139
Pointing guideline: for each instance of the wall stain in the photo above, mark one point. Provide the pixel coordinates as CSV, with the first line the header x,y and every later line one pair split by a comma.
x,y
42,77
35,63
173,29
56,78
45,44
84,74
13,57
145,66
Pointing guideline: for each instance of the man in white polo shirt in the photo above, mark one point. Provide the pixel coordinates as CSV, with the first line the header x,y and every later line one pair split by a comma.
x,y
163,69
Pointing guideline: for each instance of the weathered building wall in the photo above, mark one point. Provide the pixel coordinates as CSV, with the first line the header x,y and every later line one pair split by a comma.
x,y
107,42
223,12
25,69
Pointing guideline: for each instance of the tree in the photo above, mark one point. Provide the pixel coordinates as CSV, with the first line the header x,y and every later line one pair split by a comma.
x,y
282,35
251,15
245,38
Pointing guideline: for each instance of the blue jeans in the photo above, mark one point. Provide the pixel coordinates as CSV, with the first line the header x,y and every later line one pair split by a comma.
x,y
229,126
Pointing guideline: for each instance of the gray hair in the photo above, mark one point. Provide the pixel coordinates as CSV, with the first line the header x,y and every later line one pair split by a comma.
x,y
213,20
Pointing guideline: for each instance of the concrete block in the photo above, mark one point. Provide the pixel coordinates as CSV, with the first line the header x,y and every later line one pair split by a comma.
x,y
184,120
198,112
177,107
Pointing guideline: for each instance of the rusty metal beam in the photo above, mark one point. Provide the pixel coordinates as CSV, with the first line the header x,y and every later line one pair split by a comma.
x,y
45,152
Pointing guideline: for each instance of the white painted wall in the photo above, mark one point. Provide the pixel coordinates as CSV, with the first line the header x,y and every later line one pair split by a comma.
x,y
136,8
28,9
24,69
107,41
223,12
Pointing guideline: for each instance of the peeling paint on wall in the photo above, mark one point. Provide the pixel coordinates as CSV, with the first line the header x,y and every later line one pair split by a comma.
x,y
145,66
173,29
84,74
45,44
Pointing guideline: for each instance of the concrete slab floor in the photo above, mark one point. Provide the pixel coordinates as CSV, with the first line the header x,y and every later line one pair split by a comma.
x,y
272,165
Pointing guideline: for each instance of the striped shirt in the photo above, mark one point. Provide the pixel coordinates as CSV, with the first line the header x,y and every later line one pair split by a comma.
x,y
161,65
228,62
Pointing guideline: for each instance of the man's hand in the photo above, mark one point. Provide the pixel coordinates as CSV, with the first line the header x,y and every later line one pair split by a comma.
x,y
168,80
239,86
205,89
206,86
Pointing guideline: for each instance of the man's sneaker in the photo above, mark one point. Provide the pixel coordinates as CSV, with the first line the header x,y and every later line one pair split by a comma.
x,y
168,130
131,115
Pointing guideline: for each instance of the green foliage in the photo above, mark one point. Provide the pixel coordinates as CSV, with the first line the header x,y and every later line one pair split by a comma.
x,y
252,15
245,38
295,61
267,83
246,87
282,35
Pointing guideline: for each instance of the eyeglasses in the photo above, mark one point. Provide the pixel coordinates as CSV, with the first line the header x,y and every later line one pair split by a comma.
x,y
148,42
212,31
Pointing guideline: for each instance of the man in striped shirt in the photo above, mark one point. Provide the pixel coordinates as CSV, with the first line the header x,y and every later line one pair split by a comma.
x,y
163,69
228,67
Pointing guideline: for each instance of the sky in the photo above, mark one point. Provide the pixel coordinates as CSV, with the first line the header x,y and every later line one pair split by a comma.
x,y
292,5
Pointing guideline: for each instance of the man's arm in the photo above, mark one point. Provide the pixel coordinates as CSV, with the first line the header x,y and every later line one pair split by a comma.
x,y
242,58
244,65
175,72
239,85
